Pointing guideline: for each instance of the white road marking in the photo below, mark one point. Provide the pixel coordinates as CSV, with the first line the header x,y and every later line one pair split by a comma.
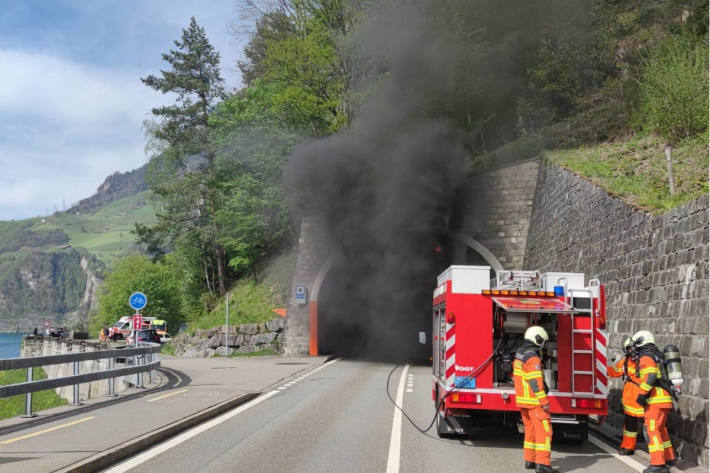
x,y
396,437
187,435
622,458
163,447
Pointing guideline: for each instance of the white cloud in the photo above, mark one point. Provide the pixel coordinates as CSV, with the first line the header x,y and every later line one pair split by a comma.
x,y
56,89
64,127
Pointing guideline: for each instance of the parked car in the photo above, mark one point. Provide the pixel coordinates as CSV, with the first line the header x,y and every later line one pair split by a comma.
x,y
145,335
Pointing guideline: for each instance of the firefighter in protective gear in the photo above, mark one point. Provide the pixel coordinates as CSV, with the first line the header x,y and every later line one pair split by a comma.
x,y
531,398
656,401
633,412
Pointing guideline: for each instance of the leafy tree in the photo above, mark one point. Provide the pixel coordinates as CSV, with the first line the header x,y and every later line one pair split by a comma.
x,y
674,88
301,48
159,281
183,173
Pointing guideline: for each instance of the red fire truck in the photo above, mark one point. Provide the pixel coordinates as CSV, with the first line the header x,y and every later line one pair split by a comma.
x,y
479,322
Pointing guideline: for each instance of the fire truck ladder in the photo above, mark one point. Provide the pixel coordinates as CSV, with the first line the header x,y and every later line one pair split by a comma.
x,y
588,337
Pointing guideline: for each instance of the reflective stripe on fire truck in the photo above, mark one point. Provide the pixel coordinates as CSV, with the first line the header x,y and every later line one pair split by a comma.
x,y
601,382
450,355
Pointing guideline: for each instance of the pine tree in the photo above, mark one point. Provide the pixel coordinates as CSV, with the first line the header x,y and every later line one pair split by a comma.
x,y
183,172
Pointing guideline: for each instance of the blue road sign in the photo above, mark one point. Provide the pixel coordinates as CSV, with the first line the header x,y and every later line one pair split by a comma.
x,y
137,301
300,294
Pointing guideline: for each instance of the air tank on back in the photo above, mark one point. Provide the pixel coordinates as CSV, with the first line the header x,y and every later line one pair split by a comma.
x,y
671,360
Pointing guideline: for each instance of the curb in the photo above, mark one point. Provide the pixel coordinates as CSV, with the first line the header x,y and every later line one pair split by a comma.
x,y
641,455
122,451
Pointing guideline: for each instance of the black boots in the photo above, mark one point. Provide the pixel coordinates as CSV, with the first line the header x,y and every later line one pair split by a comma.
x,y
529,465
545,469
625,451
657,469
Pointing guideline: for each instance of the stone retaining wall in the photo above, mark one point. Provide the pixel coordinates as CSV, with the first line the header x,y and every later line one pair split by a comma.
x,y
655,270
245,338
495,211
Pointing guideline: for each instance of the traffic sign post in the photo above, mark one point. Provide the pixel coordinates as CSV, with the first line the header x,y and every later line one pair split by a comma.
x,y
137,301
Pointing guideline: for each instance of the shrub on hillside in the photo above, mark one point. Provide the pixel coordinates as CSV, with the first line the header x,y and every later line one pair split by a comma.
x,y
673,86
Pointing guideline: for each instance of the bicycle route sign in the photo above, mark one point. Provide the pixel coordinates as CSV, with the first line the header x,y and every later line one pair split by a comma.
x,y
137,301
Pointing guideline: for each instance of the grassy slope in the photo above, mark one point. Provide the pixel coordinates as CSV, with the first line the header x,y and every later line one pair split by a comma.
x,y
635,170
15,405
106,232
253,302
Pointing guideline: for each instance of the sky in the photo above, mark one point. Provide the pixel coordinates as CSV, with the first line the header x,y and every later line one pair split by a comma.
x,y
71,102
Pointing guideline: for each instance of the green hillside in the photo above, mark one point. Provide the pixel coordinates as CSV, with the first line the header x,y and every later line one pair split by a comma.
x,y
105,233
45,262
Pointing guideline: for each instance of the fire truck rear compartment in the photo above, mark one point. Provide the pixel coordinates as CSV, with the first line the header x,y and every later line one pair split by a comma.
x,y
509,329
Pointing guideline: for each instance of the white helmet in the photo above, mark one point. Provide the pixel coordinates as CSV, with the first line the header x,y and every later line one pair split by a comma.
x,y
643,337
627,343
537,335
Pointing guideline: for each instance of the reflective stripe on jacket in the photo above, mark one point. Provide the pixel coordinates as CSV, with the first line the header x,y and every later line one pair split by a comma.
x,y
529,384
631,386
657,395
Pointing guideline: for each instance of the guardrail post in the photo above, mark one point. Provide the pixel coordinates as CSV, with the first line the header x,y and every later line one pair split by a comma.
x,y
139,375
111,381
150,373
75,397
28,396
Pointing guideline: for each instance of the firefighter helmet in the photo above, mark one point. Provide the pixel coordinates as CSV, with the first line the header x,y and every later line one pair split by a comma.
x,y
627,344
643,337
537,335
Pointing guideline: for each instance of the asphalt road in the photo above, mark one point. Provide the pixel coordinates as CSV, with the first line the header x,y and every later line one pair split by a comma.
x,y
339,419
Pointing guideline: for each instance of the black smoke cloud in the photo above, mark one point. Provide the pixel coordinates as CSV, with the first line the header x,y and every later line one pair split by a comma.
x,y
386,186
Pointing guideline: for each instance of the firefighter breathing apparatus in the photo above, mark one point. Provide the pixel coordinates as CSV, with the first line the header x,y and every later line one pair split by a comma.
x,y
463,382
668,361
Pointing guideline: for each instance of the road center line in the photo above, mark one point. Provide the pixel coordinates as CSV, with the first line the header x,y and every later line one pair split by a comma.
x,y
624,459
396,436
167,395
51,429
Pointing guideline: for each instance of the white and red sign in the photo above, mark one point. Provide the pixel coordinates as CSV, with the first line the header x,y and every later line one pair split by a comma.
x,y
137,321
46,323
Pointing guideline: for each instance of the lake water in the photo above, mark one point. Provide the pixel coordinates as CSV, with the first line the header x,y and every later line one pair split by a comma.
x,y
10,344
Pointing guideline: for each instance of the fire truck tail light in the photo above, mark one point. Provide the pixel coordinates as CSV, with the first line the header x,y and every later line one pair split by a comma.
x,y
470,398
550,294
504,292
587,403
495,292
486,291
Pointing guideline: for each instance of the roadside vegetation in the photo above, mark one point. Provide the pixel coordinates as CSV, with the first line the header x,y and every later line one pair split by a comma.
x,y
635,169
15,405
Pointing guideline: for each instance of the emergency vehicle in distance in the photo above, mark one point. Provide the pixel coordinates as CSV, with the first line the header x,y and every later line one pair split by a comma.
x,y
479,322
124,326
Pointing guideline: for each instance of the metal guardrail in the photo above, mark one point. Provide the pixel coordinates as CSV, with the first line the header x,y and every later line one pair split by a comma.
x,y
136,355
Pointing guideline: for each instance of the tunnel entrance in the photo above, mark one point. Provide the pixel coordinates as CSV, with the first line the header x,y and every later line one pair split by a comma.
x,y
360,314
383,325
342,318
